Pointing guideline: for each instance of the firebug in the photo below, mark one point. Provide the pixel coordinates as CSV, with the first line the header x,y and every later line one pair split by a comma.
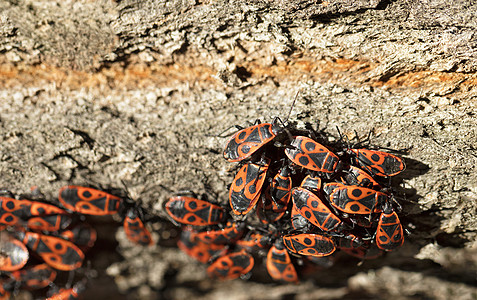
x,y
279,264
311,183
265,209
389,235
135,229
199,250
231,266
276,197
56,252
192,211
356,176
311,155
81,234
89,201
4,292
357,200
347,241
72,293
36,277
254,242
229,234
13,253
377,162
329,187
247,141
309,244
314,210
247,185
280,189
299,222
33,214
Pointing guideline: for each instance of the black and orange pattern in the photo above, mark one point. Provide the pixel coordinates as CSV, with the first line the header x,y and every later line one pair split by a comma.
x,y
315,201
39,239
245,142
247,186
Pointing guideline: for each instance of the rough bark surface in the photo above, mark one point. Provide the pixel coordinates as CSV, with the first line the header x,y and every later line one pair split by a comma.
x,y
103,92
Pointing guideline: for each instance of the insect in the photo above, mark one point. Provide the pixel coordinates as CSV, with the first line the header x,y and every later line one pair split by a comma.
x,y
231,266
89,201
26,208
135,229
232,232
377,162
69,294
5,292
313,208
366,221
49,223
311,183
311,155
347,241
328,188
36,215
36,277
247,185
192,211
56,252
13,253
356,176
279,264
276,197
357,200
265,207
247,141
280,189
389,235
81,234
309,244
299,222
199,250
254,242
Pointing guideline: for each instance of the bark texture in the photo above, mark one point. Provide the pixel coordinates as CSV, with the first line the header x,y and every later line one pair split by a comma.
x,y
104,92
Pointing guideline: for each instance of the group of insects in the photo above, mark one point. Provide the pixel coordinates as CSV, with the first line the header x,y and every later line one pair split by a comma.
x,y
296,199
39,239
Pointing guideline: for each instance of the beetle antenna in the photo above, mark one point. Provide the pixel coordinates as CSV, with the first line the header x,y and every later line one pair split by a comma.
x,y
291,108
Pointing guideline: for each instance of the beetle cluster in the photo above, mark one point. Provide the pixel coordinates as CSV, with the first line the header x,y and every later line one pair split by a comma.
x,y
57,236
311,198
